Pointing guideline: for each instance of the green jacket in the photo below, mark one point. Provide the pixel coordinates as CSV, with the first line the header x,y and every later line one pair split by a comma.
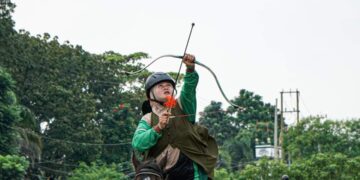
x,y
146,137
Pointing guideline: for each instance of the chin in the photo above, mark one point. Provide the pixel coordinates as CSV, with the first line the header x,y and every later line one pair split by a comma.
x,y
163,99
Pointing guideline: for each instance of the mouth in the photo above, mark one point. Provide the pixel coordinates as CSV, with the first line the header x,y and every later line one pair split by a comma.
x,y
167,92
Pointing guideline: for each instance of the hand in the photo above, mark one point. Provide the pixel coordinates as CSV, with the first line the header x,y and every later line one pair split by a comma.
x,y
189,60
163,120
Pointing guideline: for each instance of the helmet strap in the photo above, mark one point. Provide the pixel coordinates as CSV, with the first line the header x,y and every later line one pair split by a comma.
x,y
155,100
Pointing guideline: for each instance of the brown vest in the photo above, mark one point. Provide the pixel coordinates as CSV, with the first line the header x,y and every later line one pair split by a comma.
x,y
192,140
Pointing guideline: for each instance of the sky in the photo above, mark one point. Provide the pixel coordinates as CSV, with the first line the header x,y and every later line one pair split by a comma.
x,y
262,46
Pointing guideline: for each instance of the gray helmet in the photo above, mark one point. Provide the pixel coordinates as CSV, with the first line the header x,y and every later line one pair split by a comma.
x,y
157,78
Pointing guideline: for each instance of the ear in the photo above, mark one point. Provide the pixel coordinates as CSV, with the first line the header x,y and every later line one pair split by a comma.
x,y
163,161
135,161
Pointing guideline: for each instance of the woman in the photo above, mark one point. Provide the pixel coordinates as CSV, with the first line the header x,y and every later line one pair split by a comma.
x,y
172,134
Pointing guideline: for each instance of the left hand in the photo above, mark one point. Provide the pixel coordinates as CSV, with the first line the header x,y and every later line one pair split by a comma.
x,y
189,60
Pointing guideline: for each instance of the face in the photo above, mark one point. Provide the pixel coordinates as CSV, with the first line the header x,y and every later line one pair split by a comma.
x,y
162,90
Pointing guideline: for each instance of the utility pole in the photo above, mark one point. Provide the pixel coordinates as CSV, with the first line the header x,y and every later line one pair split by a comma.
x,y
282,125
297,106
276,133
282,116
297,103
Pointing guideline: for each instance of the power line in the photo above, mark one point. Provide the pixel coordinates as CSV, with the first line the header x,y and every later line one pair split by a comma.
x,y
66,141
54,170
303,102
73,165
19,129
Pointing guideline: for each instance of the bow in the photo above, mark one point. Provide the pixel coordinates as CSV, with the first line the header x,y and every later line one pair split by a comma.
x,y
196,62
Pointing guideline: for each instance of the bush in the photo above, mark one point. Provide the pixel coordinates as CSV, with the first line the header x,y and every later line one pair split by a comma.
x,y
264,169
13,167
95,172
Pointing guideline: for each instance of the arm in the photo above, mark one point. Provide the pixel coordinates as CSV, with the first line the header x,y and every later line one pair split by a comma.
x,y
144,137
188,91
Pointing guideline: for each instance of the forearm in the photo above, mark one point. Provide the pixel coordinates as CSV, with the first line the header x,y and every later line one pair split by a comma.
x,y
188,94
145,137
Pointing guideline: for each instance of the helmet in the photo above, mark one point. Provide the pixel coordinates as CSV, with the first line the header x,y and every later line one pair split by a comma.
x,y
157,78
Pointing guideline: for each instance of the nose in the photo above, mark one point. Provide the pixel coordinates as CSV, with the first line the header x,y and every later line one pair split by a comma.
x,y
166,87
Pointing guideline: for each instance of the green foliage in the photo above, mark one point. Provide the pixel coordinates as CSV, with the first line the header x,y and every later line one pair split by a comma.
x,y
120,103
117,127
6,23
236,130
9,113
222,174
12,167
95,172
74,94
326,166
311,136
264,169
226,124
224,159
318,166
255,112
30,143
218,123
241,148
86,100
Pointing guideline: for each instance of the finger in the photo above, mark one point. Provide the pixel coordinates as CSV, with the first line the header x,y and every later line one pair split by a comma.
x,y
166,114
192,58
187,57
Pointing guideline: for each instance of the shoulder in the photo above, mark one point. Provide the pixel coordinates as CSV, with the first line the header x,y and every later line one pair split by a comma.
x,y
178,100
147,118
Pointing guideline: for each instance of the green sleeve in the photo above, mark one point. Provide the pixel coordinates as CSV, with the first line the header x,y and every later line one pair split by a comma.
x,y
144,137
188,94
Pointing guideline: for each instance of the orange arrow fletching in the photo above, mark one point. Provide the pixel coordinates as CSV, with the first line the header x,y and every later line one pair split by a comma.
x,y
171,102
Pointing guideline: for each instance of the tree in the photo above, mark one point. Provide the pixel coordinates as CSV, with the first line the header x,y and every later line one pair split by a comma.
x,y
6,24
118,102
311,136
9,114
255,112
222,174
325,166
30,143
12,167
218,123
241,148
95,172
264,169
237,129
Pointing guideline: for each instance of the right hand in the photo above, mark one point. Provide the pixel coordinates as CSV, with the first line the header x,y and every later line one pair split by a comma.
x,y
163,120
189,60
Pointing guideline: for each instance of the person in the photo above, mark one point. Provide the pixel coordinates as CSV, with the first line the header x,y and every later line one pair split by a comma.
x,y
172,133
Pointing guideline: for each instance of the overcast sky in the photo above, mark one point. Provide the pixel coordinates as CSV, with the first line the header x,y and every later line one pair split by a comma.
x,y
262,46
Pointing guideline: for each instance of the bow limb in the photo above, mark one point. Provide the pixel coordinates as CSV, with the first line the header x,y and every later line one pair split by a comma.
x,y
218,84
153,61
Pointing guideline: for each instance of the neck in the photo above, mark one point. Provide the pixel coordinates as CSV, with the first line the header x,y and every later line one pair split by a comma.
x,y
157,108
